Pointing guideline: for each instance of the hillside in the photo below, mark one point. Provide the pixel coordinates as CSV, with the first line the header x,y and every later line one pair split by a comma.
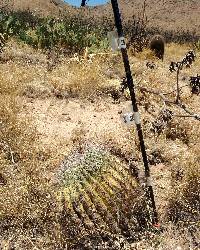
x,y
181,14
168,15
42,7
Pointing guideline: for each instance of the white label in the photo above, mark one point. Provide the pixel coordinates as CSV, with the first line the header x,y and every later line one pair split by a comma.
x,y
128,118
136,116
122,43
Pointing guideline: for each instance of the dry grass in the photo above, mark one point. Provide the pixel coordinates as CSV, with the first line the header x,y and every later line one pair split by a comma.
x,y
27,196
21,167
184,202
82,79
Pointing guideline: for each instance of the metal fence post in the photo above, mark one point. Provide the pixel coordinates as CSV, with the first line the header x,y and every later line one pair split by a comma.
x,y
122,45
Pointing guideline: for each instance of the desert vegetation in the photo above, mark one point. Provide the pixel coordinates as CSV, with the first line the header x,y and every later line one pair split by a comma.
x,y
71,175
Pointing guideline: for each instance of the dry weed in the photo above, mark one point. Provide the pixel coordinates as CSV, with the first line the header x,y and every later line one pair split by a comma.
x,y
78,79
26,194
184,202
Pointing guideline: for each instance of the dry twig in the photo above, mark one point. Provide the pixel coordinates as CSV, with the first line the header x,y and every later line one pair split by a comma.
x,y
167,101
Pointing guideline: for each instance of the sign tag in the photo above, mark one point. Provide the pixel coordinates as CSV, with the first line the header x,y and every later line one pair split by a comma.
x,y
128,118
116,42
122,43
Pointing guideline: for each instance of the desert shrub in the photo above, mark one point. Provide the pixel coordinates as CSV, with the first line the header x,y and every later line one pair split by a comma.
x,y
136,31
176,130
72,33
11,24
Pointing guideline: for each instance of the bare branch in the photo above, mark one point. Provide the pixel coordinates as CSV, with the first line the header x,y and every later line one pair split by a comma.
x,y
180,65
167,101
196,116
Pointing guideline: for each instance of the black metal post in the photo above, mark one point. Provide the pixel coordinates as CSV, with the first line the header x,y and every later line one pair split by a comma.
x,y
83,3
130,84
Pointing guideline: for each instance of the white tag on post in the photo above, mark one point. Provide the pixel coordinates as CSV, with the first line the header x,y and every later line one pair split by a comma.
x,y
127,115
128,118
113,40
122,43
136,117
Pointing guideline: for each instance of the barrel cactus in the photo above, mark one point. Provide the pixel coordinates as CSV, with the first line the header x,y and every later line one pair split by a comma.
x,y
99,195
